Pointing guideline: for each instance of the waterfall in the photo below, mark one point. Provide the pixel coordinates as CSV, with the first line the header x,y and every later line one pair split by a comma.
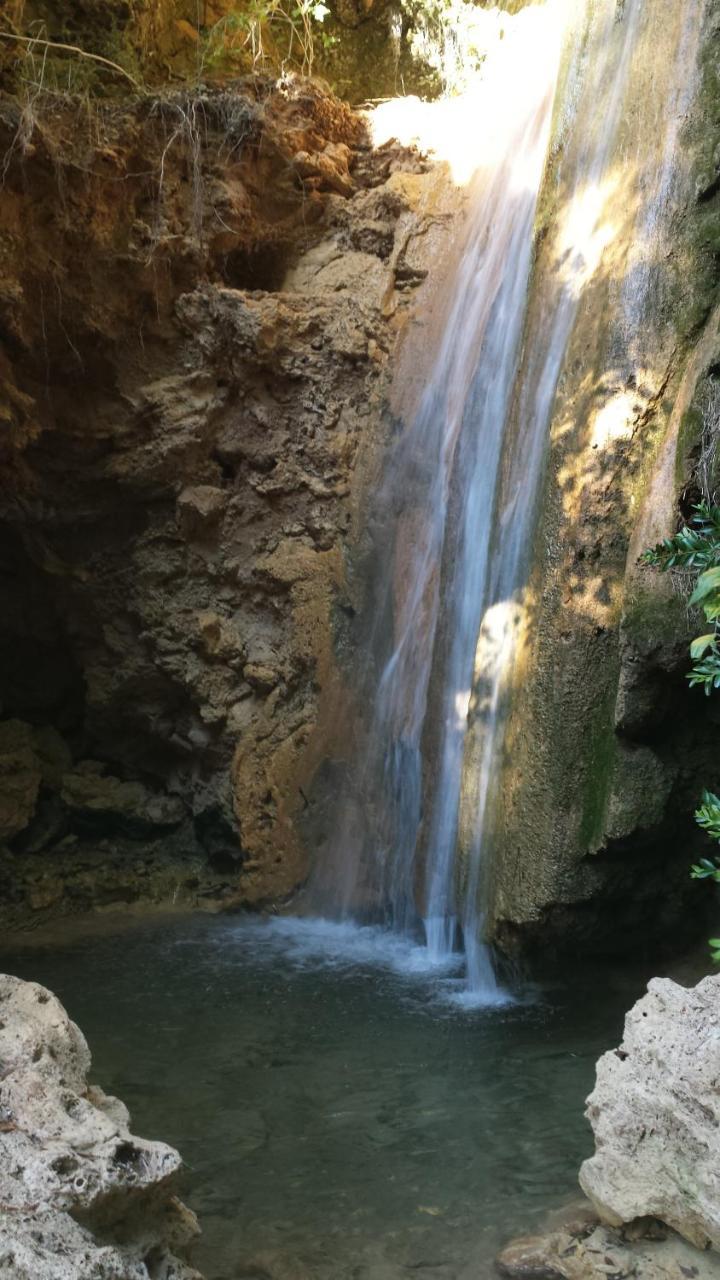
x,y
454,518
610,43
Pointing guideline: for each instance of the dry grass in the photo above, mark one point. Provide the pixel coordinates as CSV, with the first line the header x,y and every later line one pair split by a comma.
x,y
709,440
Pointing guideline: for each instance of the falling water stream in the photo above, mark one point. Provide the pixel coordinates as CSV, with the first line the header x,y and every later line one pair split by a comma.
x,y
457,431
457,509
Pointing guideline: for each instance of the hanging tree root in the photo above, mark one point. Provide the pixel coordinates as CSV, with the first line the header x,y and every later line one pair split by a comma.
x,y
74,49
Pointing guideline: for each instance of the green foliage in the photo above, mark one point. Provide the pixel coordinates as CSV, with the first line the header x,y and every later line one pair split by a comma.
x,y
268,33
702,645
706,593
706,674
705,870
696,548
708,817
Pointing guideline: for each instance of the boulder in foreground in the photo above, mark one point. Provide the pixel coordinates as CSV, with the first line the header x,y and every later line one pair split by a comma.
x,y
655,1113
81,1198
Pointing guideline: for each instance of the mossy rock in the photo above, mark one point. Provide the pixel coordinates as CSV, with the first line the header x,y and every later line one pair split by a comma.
x,y
654,620
600,768
688,443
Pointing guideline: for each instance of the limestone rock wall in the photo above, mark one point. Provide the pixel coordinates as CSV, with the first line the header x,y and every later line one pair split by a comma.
x,y
201,295
607,750
198,296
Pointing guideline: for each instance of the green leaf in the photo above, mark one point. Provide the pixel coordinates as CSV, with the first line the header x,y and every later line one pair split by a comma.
x,y
705,873
708,582
702,644
708,816
706,672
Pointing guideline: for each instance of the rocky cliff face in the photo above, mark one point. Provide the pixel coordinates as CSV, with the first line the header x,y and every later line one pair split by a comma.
x,y
608,748
198,295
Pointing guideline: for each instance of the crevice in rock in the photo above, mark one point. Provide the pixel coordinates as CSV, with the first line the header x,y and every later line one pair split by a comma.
x,y
253,269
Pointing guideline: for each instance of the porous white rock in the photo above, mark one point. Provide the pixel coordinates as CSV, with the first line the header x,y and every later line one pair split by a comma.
x,y
81,1198
655,1113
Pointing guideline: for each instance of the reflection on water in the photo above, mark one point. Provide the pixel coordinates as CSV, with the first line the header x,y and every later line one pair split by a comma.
x,y
340,1116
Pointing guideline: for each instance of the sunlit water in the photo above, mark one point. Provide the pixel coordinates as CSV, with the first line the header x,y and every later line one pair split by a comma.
x,y
339,1114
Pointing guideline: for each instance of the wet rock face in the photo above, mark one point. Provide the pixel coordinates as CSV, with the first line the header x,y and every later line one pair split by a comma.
x,y
197,301
81,1195
608,748
655,1115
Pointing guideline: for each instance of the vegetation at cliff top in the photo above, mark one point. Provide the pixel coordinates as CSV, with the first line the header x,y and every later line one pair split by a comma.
x,y
426,46
260,35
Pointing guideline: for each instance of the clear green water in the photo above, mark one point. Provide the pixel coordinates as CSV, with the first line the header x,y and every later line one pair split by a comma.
x,y
339,1114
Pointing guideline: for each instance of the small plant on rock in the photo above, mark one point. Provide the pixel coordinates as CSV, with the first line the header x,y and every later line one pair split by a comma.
x,y
268,33
696,550
708,817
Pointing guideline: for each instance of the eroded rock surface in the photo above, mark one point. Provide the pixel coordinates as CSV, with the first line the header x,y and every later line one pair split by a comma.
x,y
81,1197
655,1112
198,298
606,747
591,1251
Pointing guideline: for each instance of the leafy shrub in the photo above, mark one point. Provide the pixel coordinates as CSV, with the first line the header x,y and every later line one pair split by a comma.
x,y
696,550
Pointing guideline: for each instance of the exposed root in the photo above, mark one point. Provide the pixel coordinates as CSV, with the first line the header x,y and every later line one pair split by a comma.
x,y
75,50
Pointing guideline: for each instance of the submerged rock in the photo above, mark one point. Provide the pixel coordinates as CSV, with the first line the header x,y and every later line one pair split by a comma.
x,y
595,1252
81,1196
655,1112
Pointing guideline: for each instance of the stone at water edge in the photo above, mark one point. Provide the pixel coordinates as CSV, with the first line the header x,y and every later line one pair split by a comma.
x,y
601,1253
82,1198
655,1113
